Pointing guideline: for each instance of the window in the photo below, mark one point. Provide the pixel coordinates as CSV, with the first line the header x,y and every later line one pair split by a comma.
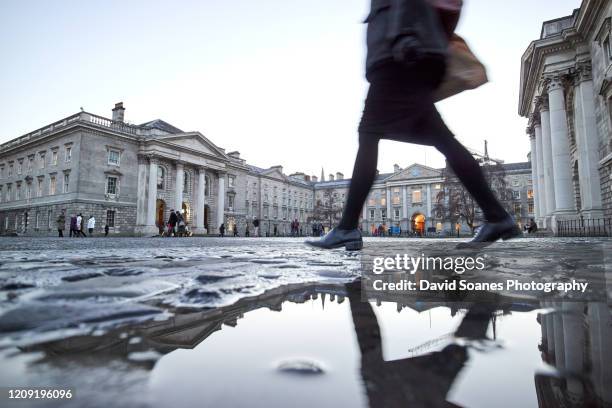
x,y
516,195
517,208
111,185
9,192
383,213
396,213
30,163
230,202
52,185
42,160
161,177
2,171
19,166
110,218
68,154
28,191
416,196
438,186
530,194
383,201
10,169
37,224
530,208
371,214
39,190
18,191
396,196
54,157
231,180
607,50
113,157
66,183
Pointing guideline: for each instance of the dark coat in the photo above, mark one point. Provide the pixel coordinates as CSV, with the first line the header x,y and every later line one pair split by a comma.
x,y
173,219
390,20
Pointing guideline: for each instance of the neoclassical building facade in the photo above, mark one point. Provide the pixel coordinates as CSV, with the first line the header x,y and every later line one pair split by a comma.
x,y
566,95
130,177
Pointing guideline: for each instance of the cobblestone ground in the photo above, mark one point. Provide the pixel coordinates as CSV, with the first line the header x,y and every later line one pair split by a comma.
x,y
103,311
48,284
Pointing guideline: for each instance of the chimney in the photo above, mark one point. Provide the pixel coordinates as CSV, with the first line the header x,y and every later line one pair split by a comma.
x,y
331,177
314,179
307,178
118,112
339,176
396,168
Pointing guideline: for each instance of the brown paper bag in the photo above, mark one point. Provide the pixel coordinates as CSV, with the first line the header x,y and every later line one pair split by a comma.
x,y
464,71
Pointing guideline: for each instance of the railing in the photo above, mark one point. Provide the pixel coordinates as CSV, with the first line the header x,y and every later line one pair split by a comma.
x,y
83,117
596,227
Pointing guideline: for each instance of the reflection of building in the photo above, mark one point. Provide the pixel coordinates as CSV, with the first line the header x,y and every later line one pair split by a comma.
x,y
130,177
566,94
576,339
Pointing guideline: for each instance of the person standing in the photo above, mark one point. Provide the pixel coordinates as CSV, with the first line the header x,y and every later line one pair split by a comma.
x,y
246,231
222,230
256,226
79,226
91,224
106,229
61,223
180,224
172,220
407,43
73,226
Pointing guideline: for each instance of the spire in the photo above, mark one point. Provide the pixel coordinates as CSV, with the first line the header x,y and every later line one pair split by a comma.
x,y
486,152
322,174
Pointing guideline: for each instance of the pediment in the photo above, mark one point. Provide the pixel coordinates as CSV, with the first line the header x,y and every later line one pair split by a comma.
x,y
415,171
274,173
193,141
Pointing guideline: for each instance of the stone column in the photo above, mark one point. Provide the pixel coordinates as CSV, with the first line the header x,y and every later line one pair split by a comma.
x,y
152,195
587,143
178,189
534,170
540,191
221,201
141,195
574,343
560,149
200,201
547,164
405,207
428,214
389,214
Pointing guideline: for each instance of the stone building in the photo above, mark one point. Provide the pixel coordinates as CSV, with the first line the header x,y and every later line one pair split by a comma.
x,y
130,177
566,94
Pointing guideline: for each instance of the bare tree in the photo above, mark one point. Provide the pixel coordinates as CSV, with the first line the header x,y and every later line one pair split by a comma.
x,y
328,209
453,202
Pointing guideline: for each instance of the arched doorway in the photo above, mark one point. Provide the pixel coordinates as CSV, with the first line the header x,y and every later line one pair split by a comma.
x,y
160,219
418,223
186,212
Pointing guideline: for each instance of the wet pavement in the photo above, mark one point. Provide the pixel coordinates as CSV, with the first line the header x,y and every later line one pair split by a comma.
x,y
269,322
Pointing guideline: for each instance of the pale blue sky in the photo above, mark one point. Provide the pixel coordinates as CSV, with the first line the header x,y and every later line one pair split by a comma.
x,y
280,81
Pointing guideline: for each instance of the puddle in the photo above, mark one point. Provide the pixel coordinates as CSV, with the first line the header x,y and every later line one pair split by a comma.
x,y
320,345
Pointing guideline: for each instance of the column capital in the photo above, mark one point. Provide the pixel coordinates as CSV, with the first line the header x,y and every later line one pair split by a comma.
x,y
179,163
582,72
542,103
201,169
153,159
556,80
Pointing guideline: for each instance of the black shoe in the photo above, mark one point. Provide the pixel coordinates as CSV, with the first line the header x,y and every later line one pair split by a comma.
x,y
336,238
491,232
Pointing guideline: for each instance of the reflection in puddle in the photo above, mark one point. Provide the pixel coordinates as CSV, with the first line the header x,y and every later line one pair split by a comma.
x,y
321,345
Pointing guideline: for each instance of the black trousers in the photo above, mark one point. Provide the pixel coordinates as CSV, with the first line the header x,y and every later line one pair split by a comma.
x,y
399,106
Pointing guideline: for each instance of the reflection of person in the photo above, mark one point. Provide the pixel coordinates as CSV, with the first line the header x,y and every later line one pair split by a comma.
x,y
422,381
407,43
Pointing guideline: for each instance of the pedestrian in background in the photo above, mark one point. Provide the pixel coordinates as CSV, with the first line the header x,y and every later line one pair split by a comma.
x,y
222,230
61,223
172,220
106,229
91,224
73,226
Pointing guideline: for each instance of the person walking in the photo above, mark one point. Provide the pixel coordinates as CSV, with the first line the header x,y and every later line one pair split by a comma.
x,y
106,229
91,224
79,226
61,223
73,226
180,224
407,43
172,221
222,230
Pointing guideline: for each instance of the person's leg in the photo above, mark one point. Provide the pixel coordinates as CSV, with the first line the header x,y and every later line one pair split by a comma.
x,y
364,173
470,174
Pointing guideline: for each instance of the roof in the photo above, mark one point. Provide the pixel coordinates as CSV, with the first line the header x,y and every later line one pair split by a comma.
x,y
517,166
162,125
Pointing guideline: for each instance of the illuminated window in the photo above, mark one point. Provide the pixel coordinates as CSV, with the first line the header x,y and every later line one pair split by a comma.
x,y
416,196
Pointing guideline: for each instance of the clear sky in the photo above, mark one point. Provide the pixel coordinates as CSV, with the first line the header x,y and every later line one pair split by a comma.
x,y
280,81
